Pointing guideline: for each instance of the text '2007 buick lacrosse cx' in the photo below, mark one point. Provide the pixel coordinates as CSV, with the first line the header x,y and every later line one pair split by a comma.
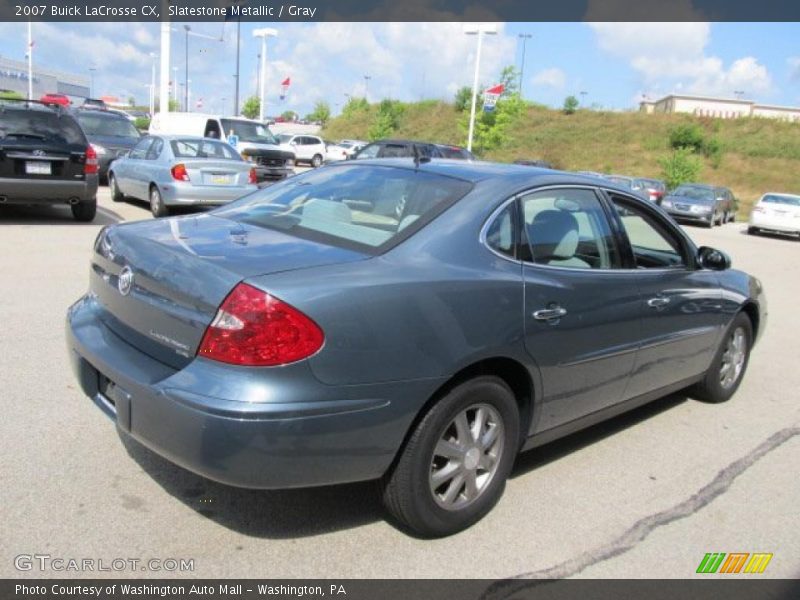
x,y
414,322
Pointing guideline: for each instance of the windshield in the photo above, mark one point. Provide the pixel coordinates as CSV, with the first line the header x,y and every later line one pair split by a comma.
x,y
42,125
285,138
695,193
193,148
249,131
367,208
781,199
106,125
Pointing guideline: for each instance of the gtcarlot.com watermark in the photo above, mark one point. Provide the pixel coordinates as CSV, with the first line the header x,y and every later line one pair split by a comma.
x,y
60,564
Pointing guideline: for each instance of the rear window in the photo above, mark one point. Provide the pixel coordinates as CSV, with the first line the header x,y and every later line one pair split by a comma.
x,y
191,148
40,124
453,152
367,208
781,199
106,125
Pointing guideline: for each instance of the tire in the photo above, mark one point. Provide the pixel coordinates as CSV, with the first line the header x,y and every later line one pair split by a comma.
x,y
732,217
157,206
116,195
316,161
85,210
730,363
410,491
753,230
710,223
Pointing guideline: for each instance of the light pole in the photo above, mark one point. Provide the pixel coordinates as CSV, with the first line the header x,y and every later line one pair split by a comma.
x,y
152,105
186,70
366,87
582,95
91,80
263,33
30,62
524,37
175,86
479,29
188,96
738,94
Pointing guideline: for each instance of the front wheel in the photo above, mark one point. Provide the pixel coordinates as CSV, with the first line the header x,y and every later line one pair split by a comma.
x,y
727,370
316,161
454,466
157,206
753,230
116,194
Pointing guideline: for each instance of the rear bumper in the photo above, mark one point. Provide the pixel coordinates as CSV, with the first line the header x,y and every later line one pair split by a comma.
x,y
790,225
41,191
272,173
254,428
180,194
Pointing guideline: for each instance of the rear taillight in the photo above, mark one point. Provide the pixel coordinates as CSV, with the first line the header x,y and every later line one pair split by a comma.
x,y
180,173
253,328
90,166
253,177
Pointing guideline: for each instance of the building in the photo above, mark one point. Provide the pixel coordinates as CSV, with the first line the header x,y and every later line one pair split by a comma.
x,y
722,108
14,77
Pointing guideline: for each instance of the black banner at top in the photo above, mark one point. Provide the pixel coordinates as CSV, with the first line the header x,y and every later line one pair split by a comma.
x,y
399,10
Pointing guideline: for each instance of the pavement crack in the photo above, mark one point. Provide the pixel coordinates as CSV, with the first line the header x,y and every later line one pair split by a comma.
x,y
644,526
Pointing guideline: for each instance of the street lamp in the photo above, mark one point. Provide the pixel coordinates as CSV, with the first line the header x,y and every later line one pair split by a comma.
x,y
524,37
263,33
739,94
175,86
366,87
582,95
186,70
152,104
479,29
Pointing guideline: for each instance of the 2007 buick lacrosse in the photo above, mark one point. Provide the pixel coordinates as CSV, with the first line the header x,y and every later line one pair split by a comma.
x,y
418,322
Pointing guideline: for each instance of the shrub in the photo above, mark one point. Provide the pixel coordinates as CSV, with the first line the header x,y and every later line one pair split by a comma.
x,y
142,123
355,105
680,167
321,112
387,120
688,135
570,105
251,107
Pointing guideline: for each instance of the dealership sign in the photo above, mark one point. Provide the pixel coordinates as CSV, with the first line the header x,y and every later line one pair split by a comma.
x,y
491,96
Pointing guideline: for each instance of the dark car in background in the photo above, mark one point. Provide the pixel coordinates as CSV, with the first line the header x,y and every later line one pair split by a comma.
x,y
533,162
633,184
45,158
654,189
413,322
701,203
111,135
410,148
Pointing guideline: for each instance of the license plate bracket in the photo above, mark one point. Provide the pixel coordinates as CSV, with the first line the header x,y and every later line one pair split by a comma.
x,y
38,167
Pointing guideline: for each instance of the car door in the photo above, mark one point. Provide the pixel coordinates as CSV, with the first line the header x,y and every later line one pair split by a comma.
x,y
680,306
128,178
582,326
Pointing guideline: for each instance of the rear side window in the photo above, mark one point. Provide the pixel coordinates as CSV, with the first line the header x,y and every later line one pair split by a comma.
x,y
394,150
193,148
40,124
367,208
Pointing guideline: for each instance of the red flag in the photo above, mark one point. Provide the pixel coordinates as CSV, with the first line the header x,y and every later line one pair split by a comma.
x,y
286,82
498,89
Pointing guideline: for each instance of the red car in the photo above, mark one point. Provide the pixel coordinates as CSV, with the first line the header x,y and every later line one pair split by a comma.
x,y
55,99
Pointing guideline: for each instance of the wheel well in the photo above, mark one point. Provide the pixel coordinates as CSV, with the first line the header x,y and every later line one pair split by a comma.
x,y
751,310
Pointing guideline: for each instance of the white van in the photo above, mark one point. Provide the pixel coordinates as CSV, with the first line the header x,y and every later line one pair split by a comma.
x,y
252,139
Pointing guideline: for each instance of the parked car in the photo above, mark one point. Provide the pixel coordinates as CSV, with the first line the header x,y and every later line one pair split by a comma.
x,y
45,158
307,148
775,212
631,183
252,139
654,189
416,322
94,103
533,162
450,151
708,205
171,171
342,150
405,148
57,99
110,134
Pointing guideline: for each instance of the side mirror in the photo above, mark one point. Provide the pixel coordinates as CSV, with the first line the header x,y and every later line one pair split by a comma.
x,y
713,259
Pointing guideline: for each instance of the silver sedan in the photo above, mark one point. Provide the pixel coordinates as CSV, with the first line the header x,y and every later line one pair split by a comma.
x,y
178,170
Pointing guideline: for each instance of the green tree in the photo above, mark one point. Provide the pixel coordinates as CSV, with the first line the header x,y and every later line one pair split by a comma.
x,y
509,78
251,107
687,135
131,101
289,115
463,99
355,105
570,105
321,112
493,129
681,166
387,119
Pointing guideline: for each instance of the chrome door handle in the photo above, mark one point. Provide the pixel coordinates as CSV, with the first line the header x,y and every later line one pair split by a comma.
x,y
549,314
657,302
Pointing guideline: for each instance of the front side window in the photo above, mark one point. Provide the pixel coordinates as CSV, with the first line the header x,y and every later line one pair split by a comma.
x,y
155,149
361,207
654,246
140,149
567,227
370,151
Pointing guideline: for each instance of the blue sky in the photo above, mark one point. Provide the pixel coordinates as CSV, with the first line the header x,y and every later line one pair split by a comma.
x,y
614,63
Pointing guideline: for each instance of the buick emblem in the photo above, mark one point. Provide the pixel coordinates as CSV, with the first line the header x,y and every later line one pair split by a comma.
x,y
125,281
38,152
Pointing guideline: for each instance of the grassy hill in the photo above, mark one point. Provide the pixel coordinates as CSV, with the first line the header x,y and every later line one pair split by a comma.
x,y
760,155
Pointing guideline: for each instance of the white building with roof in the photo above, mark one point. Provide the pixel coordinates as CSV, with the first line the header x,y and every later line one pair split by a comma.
x,y
721,108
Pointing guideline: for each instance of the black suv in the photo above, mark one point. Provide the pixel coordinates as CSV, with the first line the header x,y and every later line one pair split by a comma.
x,y
411,148
45,158
110,134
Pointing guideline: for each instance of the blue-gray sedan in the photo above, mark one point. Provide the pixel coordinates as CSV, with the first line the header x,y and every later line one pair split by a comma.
x,y
414,322
170,171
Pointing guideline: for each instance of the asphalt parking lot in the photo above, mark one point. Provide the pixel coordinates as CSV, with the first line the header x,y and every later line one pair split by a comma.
x,y
644,495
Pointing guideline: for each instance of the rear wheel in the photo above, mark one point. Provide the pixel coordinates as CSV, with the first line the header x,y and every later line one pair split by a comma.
x,y
85,210
116,195
727,370
753,230
157,206
316,161
454,466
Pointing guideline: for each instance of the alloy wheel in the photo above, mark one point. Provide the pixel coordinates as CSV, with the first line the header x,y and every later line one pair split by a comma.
x,y
733,358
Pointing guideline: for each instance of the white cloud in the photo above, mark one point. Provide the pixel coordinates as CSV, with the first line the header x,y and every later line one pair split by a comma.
x,y
672,57
552,77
